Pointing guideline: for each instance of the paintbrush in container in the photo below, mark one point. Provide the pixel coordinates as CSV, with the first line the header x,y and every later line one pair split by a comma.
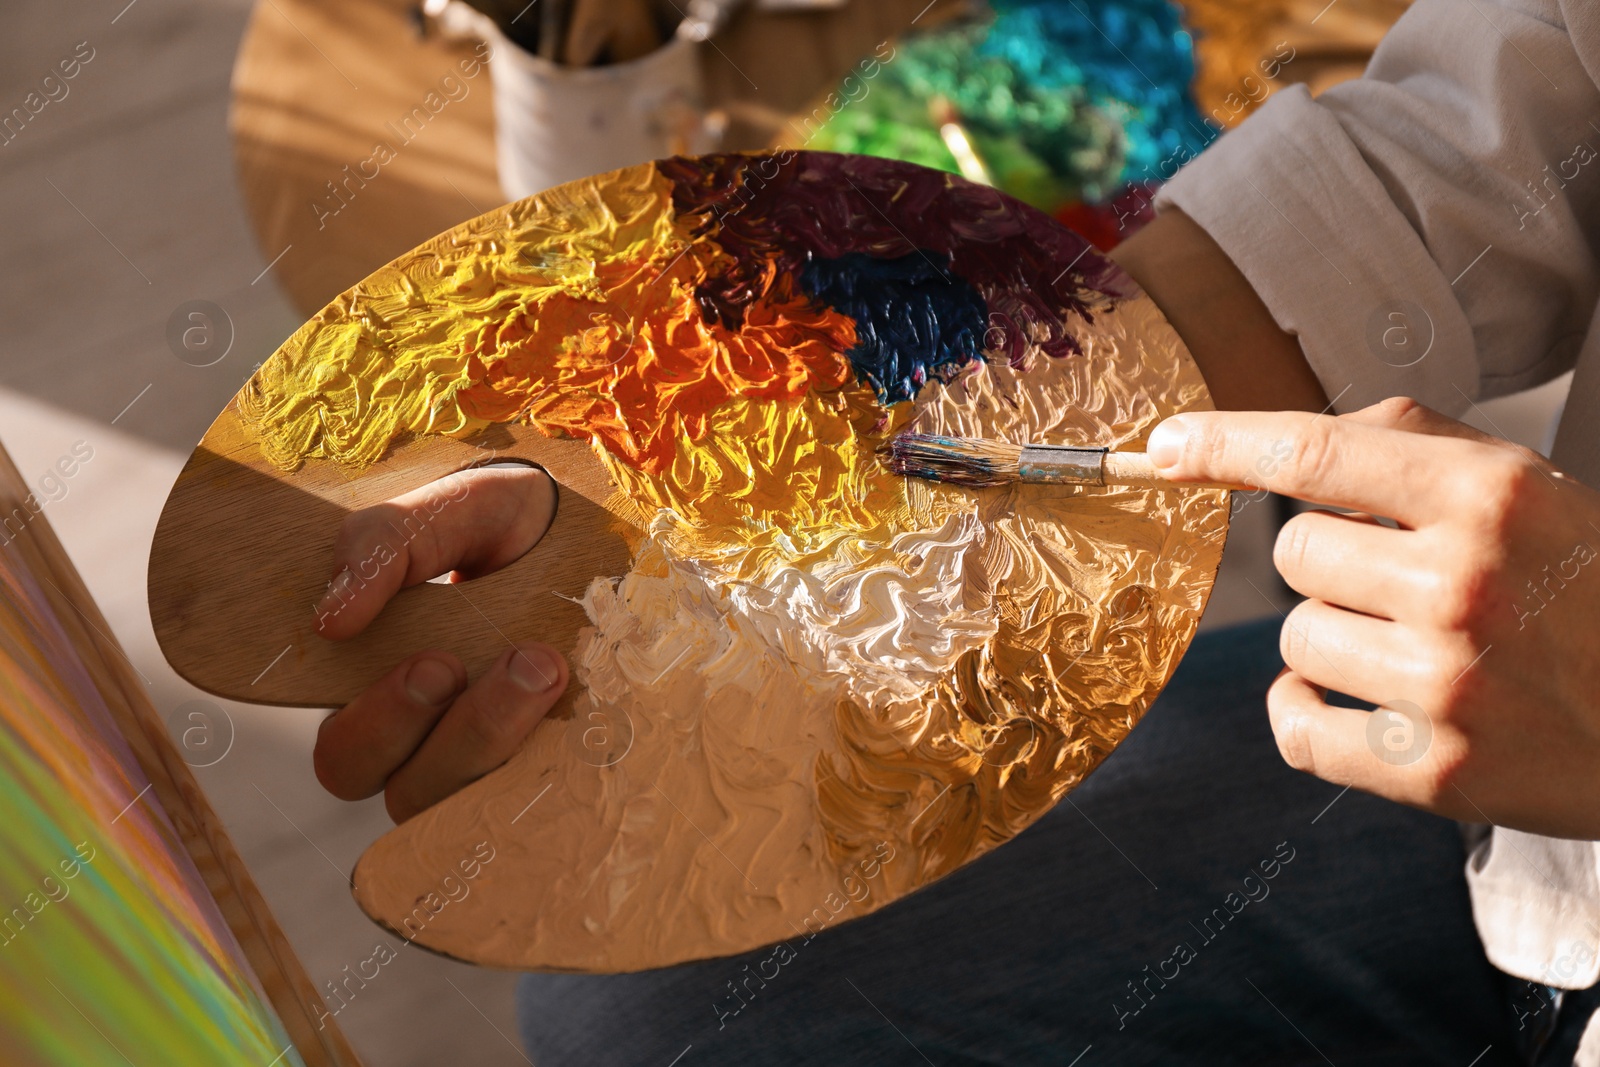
x,y
978,463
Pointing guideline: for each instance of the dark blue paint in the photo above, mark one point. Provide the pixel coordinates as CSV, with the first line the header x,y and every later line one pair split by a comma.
x,y
914,319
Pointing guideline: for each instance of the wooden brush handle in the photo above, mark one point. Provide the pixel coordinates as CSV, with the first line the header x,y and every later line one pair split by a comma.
x,y
1135,468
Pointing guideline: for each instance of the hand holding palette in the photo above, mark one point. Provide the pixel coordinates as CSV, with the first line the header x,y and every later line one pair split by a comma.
x,y
788,661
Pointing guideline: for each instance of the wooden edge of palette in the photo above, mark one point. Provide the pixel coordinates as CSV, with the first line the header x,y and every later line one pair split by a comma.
x,y
270,955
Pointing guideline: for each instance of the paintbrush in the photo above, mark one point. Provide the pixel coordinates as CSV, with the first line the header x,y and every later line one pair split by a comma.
x,y
552,23
977,463
618,30
956,138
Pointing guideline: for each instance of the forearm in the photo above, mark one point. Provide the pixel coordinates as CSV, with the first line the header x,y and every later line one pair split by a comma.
x,y
1247,361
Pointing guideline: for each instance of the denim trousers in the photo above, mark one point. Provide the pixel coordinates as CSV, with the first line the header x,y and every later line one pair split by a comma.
x,y
1195,901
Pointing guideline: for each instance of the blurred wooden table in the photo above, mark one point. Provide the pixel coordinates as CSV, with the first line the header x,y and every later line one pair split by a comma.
x,y
42,592
317,81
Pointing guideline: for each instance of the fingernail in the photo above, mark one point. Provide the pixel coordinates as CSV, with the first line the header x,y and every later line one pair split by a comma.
x,y
337,596
430,682
534,668
1165,447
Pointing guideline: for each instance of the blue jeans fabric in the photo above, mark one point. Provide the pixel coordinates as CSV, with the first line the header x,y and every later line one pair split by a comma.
x,y
1359,949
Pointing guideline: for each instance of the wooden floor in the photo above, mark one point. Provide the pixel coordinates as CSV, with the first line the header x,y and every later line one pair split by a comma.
x,y
117,206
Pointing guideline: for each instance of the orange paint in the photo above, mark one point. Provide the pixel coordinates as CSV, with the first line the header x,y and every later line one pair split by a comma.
x,y
639,381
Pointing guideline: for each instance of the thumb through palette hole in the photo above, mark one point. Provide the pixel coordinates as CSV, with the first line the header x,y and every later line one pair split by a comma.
x,y
538,495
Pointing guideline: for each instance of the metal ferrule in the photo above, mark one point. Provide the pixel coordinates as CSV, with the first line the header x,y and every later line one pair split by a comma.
x,y
1056,463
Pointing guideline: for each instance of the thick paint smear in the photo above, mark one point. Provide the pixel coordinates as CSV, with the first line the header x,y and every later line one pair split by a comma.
x,y
627,313
773,214
913,318
586,327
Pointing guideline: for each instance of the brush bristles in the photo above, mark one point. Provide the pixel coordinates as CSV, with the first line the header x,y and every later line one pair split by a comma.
x,y
954,460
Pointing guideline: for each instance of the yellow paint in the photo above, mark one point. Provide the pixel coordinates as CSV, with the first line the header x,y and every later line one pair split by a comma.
x,y
581,322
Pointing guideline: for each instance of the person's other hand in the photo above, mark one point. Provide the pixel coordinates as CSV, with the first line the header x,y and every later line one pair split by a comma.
x,y
1475,625
420,733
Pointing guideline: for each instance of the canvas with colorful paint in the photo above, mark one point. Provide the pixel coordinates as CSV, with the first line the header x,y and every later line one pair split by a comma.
x,y
112,947
817,665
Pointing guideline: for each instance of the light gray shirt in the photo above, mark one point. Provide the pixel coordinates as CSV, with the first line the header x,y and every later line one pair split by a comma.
x,y
1430,230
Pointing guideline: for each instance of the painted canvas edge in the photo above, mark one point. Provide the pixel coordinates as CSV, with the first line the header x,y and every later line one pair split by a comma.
x,y
271,957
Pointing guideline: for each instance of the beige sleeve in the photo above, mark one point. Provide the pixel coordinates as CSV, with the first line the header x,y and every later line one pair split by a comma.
x,y
1428,229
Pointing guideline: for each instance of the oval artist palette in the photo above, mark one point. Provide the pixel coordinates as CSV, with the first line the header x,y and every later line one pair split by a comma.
x,y
803,686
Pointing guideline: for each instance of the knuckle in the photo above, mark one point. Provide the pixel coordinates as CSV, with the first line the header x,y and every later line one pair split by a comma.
x,y
489,731
1313,453
1460,675
1293,735
1396,410
1206,447
1460,596
365,545
1294,640
1505,485
328,768
399,803
1444,774
327,774
1526,456
426,552
1291,725
1427,669
352,532
1291,551
500,715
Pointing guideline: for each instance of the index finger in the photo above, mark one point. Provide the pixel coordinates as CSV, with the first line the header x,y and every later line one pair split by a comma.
x,y
1318,458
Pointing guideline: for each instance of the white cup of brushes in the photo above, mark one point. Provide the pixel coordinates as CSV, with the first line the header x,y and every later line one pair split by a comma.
x,y
604,91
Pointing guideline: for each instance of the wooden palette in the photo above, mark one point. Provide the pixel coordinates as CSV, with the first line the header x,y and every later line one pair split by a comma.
x,y
242,554
802,687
